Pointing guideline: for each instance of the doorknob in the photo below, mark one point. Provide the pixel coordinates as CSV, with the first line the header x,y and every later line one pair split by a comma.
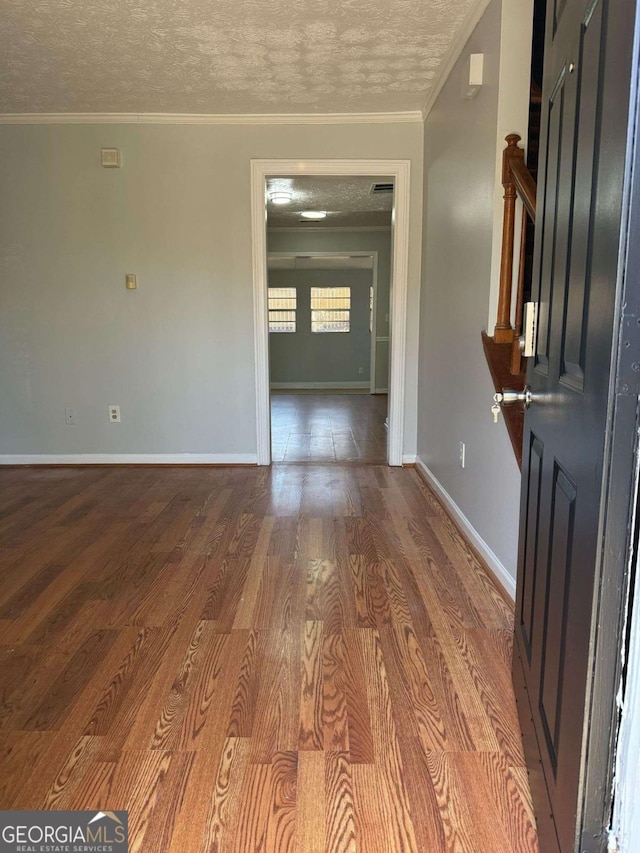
x,y
508,395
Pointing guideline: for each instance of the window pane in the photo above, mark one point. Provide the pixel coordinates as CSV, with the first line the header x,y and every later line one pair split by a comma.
x,y
282,293
282,321
330,309
330,297
282,309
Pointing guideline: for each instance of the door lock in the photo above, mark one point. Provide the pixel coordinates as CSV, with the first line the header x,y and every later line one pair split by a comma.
x,y
507,396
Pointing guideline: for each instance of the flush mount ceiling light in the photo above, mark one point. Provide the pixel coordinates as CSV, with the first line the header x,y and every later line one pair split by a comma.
x,y
280,197
313,214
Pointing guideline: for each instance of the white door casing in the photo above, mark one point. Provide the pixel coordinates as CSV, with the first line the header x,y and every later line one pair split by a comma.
x,y
399,170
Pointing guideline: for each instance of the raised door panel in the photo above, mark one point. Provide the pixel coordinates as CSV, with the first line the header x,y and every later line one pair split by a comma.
x,y
554,591
531,542
582,220
556,213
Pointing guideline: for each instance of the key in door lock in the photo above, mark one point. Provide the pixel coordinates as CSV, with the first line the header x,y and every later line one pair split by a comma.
x,y
508,395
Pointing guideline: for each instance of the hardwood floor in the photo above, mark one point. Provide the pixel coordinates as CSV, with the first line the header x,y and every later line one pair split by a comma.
x,y
302,658
326,427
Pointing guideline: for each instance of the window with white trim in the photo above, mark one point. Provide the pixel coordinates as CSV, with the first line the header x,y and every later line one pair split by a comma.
x,y
330,309
282,309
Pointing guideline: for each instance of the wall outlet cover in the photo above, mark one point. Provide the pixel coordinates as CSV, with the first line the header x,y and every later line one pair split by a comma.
x,y
462,453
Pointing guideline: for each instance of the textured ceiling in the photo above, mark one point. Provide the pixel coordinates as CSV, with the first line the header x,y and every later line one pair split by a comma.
x,y
347,201
223,56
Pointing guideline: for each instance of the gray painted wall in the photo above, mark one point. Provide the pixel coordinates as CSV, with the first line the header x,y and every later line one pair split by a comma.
x,y
305,356
177,354
455,389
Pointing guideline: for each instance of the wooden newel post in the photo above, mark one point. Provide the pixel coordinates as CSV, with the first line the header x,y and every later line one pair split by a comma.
x,y
504,333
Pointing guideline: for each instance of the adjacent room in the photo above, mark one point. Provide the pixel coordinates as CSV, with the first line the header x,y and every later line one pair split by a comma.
x,y
329,277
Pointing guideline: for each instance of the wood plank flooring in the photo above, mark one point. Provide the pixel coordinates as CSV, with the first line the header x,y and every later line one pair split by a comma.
x,y
303,658
328,427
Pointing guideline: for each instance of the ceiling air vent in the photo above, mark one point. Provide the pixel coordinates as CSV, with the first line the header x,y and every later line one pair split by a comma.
x,y
381,188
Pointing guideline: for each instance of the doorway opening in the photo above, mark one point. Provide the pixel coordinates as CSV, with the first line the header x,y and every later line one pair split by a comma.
x,y
328,335
329,322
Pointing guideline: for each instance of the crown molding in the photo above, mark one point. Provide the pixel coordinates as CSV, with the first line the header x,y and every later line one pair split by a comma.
x,y
318,229
445,68
186,118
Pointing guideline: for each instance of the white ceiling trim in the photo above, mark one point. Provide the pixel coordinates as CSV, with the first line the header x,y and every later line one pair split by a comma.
x,y
286,229
410,116
453,54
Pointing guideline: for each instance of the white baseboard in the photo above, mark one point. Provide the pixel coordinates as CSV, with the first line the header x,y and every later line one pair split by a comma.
x,y
504,578
381,391
310,386
409,460
129,459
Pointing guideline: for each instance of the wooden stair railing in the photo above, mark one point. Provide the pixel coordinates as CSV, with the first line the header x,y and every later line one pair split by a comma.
x,y
503,350
518,182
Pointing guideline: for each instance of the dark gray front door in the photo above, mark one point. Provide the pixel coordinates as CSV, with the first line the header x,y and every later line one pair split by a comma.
x,y
588,59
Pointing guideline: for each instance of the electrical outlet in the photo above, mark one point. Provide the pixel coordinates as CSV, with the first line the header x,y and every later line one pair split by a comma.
x,y
114,414
462,453
361,370
70,417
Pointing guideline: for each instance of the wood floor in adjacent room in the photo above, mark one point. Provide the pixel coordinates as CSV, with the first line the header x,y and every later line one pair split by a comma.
x,y
302,658
328,427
